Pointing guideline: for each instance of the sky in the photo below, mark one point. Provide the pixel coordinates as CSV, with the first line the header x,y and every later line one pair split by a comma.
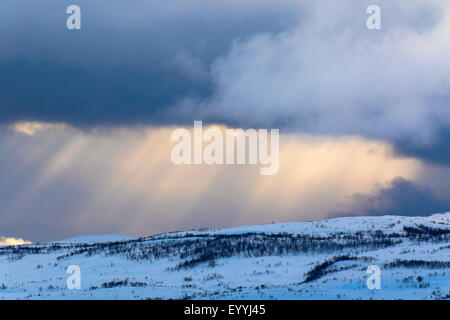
x,y
86,115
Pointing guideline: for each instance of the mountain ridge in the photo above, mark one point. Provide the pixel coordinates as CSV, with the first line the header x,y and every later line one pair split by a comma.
x,y
325,259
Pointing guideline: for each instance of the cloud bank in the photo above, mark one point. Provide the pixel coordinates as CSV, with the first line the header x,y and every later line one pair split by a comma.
x,y
131,59
86,116
331,75
401,197
304,66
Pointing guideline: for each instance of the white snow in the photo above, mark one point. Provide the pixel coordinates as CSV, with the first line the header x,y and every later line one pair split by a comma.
x,y
96,238
40,272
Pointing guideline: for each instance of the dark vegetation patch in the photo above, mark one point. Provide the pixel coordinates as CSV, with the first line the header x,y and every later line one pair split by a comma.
x,y
195,249
425,233
122,283
323,268
398,263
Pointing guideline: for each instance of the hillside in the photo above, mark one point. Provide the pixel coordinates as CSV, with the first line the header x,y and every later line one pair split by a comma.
x,y
305,260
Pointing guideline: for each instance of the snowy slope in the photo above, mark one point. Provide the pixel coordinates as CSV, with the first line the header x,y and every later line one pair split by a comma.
x,y
305,260
97,238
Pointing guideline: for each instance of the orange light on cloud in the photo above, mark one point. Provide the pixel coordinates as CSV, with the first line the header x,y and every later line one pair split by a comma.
x,y
132,180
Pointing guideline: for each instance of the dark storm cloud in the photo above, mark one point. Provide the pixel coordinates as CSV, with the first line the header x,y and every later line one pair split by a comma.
x,y
403,197
131,59
81,96
305,66
438,152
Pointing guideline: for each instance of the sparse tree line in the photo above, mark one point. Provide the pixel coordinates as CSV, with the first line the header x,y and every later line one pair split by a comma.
x,y
199,248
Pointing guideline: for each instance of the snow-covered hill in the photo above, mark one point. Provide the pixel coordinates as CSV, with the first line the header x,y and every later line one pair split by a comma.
x,y
305,260
97,238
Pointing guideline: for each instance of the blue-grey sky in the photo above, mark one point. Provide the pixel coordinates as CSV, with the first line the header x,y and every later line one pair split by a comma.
x,y
72,100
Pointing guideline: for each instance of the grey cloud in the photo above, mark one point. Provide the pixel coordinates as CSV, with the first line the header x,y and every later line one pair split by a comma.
x,y
59,181
330,75
130,61
402,197
302,66
437,152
